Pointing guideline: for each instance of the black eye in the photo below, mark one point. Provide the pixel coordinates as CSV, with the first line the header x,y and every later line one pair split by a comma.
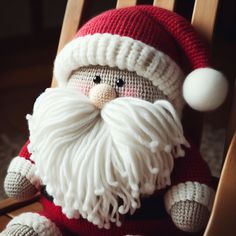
x,y
97,79
120,82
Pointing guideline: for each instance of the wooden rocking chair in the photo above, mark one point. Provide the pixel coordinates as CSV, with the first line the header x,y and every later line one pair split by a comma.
x,y
222,220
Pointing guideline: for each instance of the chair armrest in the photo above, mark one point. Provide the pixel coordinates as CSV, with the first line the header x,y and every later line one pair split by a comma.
x,y
11,204
222,219
9,208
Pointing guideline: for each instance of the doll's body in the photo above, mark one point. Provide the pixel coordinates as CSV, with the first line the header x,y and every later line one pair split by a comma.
x,y
151,218
107,148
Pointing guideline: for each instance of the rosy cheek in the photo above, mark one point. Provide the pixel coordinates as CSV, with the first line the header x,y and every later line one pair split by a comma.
x,y
84,88
129,92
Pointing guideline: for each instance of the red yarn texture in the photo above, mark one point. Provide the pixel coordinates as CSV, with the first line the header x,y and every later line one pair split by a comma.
x,y
164,30
150,219
24,152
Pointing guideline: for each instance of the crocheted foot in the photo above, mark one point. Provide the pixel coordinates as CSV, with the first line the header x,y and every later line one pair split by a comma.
x,y
18,229
31,224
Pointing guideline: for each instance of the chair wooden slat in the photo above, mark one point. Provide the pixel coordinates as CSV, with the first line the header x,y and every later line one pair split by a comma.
x,y
11,204
231,128
3,222
71,21
70,25
125,3
204,16
34,207
222,220
167,4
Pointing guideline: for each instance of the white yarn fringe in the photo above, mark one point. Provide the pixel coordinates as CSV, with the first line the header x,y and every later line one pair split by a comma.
x,y
98,163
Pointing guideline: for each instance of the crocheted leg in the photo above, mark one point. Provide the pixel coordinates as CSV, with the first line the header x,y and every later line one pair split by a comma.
x,y
31,224
18,229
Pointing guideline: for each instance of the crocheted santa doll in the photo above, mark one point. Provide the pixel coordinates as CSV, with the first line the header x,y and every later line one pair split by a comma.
x,y
107,148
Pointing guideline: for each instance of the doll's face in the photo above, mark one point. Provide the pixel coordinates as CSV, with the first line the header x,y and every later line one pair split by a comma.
x,y
124,83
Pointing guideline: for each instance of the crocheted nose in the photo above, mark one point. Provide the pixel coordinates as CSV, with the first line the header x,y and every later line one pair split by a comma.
x,y
101,94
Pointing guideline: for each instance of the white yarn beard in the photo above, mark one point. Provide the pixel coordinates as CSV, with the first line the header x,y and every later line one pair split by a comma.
x,y
98,163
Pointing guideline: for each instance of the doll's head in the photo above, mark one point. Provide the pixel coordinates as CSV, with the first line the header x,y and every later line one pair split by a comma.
x,y
155,44
109,134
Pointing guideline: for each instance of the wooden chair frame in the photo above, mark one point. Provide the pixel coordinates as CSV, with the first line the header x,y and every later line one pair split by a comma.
x,y
224,210
203,21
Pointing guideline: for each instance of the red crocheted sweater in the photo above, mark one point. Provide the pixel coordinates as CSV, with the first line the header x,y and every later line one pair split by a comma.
x,y
150,219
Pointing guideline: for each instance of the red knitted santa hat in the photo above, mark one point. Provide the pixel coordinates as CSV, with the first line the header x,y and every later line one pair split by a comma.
x,y
155,43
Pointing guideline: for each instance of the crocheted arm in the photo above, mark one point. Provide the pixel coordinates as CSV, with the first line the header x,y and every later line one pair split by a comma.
x,y
20,182
190,198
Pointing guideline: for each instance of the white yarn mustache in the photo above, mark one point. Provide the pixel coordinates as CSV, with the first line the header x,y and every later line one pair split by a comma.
x,y
91,159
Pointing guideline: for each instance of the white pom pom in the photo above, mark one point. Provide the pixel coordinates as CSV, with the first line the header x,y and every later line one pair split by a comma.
x,y
205,89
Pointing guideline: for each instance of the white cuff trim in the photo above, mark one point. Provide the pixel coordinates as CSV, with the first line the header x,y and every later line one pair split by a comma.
x,y
25,168
122,52
192,191
40,224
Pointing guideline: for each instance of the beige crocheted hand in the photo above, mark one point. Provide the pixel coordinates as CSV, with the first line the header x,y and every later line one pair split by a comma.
x,y
18,186
20,182
189,216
